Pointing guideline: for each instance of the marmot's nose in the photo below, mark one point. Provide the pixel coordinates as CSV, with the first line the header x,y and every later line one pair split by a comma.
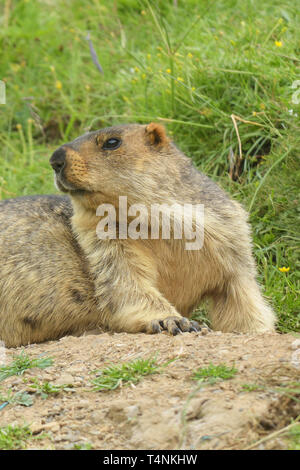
x,y
58,160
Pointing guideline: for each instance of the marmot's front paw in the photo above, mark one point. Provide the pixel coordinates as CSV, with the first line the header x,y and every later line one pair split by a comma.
x,y
173,325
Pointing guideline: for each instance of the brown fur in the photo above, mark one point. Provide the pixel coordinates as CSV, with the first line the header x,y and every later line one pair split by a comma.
x,y
58,278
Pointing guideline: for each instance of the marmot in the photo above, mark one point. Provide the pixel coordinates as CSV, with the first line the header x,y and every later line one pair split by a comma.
x,y
57,277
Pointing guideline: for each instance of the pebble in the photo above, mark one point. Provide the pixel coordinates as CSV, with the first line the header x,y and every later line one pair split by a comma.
x,y
83,403
96,417
36,427
53,426
204,331
71,436
94,432
17,382
295,344
64,379
133,411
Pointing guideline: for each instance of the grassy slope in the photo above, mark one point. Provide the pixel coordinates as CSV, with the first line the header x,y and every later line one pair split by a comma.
x,y
192,67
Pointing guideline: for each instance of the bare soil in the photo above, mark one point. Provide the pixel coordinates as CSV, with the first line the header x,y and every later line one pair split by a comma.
x,y
164,411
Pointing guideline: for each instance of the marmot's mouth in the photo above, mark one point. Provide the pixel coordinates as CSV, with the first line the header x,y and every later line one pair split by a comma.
x,y
66,187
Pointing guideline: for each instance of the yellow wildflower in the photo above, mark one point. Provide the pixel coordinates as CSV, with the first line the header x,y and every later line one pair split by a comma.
x,y
278,43
190,56
58,84
15,67
168,70
284,269
180,79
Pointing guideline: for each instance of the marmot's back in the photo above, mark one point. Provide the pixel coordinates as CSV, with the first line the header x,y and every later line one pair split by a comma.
x,y
36,207
38,249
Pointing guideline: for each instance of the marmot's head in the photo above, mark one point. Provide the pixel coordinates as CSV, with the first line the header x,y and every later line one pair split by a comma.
x,y
137,161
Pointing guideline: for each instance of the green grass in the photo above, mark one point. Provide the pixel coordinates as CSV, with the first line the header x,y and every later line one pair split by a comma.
x,y
120,375
18,398
14,437
23,362
251,387
46,389
214,373
190,68
294,438
84,446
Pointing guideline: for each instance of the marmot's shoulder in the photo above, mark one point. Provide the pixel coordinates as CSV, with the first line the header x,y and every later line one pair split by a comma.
x,y
41,206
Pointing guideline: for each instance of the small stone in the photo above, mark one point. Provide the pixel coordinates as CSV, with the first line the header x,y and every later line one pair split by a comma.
x,y
53,426
36,427
82,403
96,417
95,432
246,357
295,344
133,411
16,382
64,379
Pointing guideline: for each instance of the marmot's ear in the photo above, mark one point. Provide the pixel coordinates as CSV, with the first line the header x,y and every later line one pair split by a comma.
x,y
156,134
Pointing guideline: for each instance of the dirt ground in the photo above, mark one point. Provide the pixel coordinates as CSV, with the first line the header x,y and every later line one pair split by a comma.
x,y
164,411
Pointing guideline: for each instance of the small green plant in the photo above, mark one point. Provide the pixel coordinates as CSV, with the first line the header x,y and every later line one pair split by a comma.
x,y
23,362
83,446
118,375
14,437
294,438
44,389
18,398
212,373
251,387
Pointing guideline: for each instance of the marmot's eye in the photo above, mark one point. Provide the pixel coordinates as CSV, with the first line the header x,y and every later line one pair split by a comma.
x,y
112,143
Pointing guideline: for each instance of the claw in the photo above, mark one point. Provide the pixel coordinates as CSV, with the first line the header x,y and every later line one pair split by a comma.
x,y
192,328
176,331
